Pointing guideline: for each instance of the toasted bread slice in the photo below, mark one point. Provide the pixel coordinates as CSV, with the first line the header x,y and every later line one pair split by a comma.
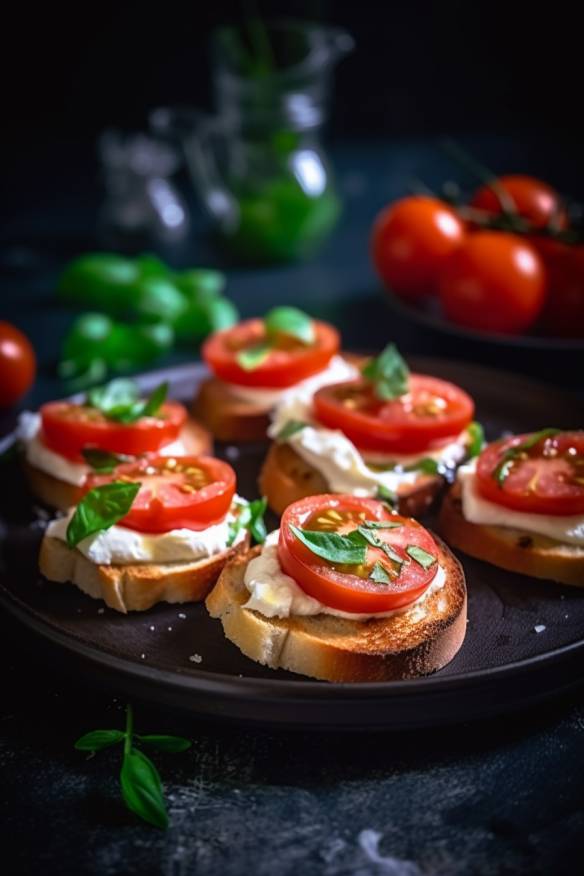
x,y
410,643
229,418
512,549
286,477
59,494
134,587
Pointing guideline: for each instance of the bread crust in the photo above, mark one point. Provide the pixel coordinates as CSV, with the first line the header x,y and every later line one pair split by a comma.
x,y
134,587
340,650
511,549
59,494
229,418
286,477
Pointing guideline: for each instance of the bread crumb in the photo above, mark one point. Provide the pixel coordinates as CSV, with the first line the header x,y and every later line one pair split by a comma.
x,y
196,658
539,628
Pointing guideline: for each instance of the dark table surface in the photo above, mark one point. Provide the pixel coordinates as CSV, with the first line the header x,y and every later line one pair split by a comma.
x,y
503,797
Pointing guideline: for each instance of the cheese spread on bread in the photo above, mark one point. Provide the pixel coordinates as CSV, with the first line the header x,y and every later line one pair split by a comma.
x,y
42,457
477,509
336,371
341,463
273,593
121,546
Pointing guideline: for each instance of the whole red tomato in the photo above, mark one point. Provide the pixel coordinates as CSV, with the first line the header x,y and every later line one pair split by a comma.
x,y
493,282
411,241
563,313
534,200
17,364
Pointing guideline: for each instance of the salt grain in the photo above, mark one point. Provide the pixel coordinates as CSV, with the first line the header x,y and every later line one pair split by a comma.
x,y
196,658
539,628
142,656
152,627
100,610
170,629
232,452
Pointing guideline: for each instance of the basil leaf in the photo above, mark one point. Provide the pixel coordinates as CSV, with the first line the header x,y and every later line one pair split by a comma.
x,y
388,373
170,744
98,739
290,428
142,788
376,542
477,439
379,574
380,524
102,461
504,466
99,509
427,465
251,358
117,394
290,321
422,557
344,549
251,517
385,495
120,400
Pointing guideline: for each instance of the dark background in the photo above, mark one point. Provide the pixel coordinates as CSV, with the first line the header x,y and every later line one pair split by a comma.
x,y
420,68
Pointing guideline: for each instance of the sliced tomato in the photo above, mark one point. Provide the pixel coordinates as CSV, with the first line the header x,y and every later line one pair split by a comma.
x,y
288,362
67,428
546,479
432,411
182,492
350,588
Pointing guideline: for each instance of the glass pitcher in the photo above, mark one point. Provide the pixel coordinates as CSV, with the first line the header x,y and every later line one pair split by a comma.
x,y
259,164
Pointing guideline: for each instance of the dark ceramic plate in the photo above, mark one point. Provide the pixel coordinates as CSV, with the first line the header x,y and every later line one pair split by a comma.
x,y
427,312
177,655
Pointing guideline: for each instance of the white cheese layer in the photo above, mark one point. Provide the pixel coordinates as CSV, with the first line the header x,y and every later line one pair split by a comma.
x,y
42,457
273,593
342,465
121,546
336,371
477,509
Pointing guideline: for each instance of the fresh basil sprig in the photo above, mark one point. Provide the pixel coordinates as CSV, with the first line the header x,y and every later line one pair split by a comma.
x,y
373,539
422,557
379,574
100,509
140,781
250,517
251,358
102,461
476,434
288,321
509,457
120,400
388,373
350,550
290,428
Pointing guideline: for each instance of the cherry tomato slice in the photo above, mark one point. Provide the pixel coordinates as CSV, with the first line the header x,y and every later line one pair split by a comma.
x,y
349,588
288,363
67,428
185,492
546,479
432,411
